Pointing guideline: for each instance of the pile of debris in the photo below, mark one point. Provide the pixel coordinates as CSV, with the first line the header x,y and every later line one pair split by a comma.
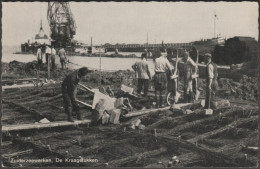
x,y
245,89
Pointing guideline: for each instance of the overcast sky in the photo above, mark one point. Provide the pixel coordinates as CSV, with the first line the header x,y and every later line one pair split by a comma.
x,y
129,22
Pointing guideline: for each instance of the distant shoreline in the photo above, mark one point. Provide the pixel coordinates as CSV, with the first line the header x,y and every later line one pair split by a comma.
x,y
88,55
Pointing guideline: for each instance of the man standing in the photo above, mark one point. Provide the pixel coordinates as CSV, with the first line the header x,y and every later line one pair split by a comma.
x,y
162,65
63,58
211,80
48,53
69,91
39,55
189,69
143,73
53,54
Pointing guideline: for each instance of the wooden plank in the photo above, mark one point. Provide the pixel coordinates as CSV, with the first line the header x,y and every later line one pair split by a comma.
x,y
17,86
6,143
85,104
120,162
162,121
209,155
87,88
194,123
43,125
223,129
29,151
141,112
26,79
25,109
23,86
42,100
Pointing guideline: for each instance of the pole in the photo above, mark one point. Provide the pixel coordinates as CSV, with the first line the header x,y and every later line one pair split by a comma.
x,y
215,24
48,67
99,68
147,39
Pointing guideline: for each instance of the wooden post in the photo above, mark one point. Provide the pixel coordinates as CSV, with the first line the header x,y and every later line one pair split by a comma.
x,y
48,67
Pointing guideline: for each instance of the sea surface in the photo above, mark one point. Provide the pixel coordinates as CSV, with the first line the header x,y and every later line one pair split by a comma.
x,y
105,63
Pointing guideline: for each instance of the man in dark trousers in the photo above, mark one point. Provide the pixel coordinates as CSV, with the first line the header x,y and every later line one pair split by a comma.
x,y
142,69
162,65
63,58
189,67
211,80
69,91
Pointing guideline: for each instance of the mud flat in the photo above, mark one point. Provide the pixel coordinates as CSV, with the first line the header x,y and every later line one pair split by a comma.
x,y
171,138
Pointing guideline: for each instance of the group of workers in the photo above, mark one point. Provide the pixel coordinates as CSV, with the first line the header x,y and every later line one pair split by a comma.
x,y
164,68
50,53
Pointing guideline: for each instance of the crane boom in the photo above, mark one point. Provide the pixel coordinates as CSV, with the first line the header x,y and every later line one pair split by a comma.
x,y
62,23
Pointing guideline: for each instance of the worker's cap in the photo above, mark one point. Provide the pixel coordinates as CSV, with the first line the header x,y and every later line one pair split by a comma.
x,y
163,54
208,55
83,71
186,53
145,50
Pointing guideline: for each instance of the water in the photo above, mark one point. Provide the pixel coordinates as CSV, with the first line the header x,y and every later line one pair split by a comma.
x,y
107,64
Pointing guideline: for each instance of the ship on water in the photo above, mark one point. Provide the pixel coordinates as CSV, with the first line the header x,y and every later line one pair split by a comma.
x,y
40,39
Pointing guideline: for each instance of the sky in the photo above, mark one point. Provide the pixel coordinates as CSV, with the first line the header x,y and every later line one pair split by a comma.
x,y
129,22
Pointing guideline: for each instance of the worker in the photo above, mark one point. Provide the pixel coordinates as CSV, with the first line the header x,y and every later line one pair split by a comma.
x,y
69,91
211,79
63,58
53,54
143,73
162,65
116,51
47,53
39,55
149,54
189,69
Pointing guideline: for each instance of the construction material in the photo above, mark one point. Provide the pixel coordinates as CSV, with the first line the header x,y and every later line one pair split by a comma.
x,y
220,103
24,109
208,111
114,116
158,123
195,77
120,162
43,100
8,128
109,102
87,88
17,153
44,121
18,86
211,156
83,103
194,123
127,89
141,112
222,129
6,143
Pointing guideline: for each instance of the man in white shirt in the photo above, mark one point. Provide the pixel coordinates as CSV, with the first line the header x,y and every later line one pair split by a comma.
x,y
211,79
189,69
53,54
162,65
39,55
48,53
142,69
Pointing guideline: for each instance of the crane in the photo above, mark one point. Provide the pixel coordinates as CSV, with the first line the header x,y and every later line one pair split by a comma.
x,y
62,23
